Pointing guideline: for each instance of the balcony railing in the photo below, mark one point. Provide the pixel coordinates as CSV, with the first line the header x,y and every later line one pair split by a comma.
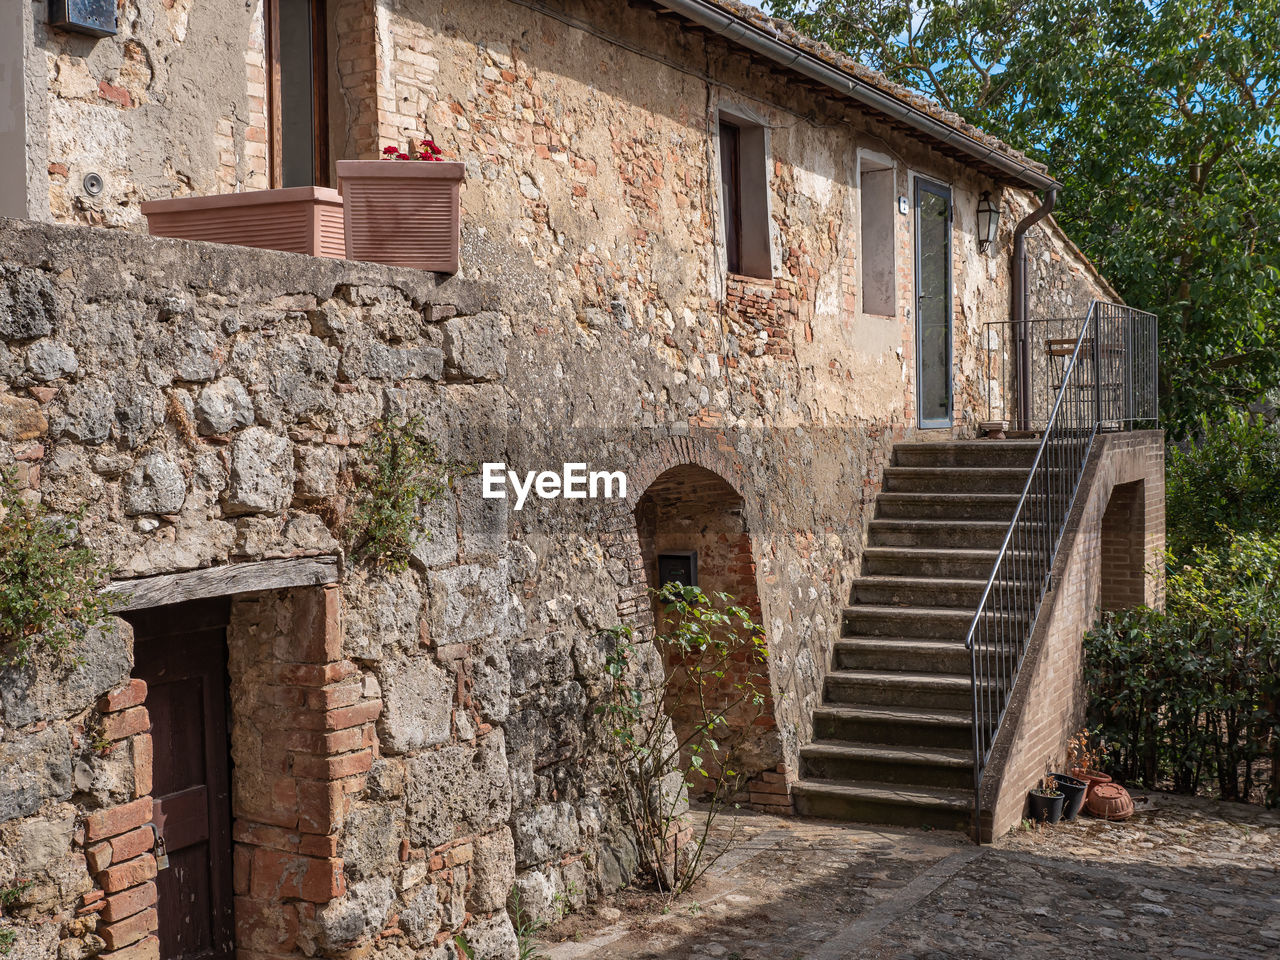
x,y
1096,374
1123,369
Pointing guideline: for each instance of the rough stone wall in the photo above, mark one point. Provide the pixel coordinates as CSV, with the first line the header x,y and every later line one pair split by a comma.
x,y
203,406
1048,703
172,105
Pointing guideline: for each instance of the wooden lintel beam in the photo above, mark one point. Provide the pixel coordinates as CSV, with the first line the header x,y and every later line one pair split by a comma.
x,y
223,580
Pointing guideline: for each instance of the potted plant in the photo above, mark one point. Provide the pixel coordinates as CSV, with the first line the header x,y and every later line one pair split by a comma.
x,y
1046,802
403,210
1084,760
297,219
1074,791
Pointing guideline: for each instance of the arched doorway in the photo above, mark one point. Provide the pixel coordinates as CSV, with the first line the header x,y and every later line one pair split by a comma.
x,y
692,528
1123,581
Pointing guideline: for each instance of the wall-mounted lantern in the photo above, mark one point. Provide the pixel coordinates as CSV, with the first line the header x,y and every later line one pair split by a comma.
x,y
97,18
988,222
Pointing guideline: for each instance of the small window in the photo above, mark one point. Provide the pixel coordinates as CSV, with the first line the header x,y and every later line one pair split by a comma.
x,y
744,198
680,567
876,189
297,91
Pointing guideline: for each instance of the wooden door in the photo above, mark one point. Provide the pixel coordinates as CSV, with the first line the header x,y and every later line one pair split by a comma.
x,y
181,652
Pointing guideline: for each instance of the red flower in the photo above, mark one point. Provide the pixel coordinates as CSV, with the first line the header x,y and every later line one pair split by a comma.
x,y
403,156
388,151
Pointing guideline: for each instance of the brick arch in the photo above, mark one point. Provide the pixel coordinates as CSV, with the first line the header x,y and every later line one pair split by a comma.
x,y
669,452
620,539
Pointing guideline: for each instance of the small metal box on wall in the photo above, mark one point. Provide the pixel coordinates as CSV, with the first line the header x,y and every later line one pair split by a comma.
x,y
97,18
678,566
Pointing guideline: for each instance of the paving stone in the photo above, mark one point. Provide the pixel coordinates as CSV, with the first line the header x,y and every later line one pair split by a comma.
x,y
1191,878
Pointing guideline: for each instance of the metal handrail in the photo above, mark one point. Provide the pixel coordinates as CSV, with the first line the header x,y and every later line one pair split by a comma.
x,y
1109,382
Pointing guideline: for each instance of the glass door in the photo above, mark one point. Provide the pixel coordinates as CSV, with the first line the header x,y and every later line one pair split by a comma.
x,y
933,304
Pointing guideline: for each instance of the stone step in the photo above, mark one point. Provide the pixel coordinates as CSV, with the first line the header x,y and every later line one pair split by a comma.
x,y
951,479
967,453
900,726
892,688
846,760
918,591
926,562
922,505
936,534
873,802
901,653
933,623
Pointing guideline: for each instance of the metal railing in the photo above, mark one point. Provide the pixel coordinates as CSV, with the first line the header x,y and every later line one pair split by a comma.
x,y
1106,381
1051,345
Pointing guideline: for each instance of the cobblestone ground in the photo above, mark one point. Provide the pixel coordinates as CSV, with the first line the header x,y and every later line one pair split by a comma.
x,y
1188,879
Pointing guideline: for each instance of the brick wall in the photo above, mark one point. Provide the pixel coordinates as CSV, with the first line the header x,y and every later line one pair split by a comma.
x,y
1123,481
118,841
1123,579
302,742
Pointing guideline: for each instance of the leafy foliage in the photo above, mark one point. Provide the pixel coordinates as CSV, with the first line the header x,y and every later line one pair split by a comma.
x,y
707,637
1193,694
1162,118
400,473
1225,480
49,585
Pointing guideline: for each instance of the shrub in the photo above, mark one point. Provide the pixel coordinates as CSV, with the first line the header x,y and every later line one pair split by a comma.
x,y
1226,480
645,749
400,472
1191,694
49,583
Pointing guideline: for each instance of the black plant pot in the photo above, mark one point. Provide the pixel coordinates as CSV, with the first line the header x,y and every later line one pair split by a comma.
x,y
1074,792
1046,809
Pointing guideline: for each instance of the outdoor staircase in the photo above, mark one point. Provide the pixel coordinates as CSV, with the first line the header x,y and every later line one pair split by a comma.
x,y
893,738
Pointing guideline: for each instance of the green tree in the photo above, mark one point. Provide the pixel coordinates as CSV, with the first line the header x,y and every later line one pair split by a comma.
x,y
1162,119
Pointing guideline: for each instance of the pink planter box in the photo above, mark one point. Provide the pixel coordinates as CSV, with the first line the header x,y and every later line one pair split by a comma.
x,y
402,212
296,219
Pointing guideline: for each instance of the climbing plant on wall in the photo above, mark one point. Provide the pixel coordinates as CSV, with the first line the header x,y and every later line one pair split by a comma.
x,y
400,472
49,580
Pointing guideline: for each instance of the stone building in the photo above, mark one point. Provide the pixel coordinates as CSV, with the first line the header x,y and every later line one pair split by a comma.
x,y
698,249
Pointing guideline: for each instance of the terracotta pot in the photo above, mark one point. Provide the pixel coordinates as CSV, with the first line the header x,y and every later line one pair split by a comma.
x,y
402,212
296,219
1091,777
1110,801
994,429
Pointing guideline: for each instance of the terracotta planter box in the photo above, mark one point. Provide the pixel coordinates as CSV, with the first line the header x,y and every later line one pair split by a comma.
x,y
296,219
402,212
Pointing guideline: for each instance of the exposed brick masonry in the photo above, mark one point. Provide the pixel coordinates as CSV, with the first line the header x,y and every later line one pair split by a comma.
x,y
118,840
303,738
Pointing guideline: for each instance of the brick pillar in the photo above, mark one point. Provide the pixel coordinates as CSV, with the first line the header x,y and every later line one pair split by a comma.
x,y
303,739
118,840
